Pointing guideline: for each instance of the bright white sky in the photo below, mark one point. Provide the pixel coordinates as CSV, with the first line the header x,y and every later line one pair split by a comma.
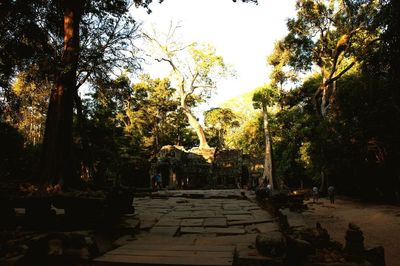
x,y
243,33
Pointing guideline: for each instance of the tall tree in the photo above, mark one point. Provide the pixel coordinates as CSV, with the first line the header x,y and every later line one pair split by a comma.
x,y
57,145
332,35
196,68
49,22
263,98
47,36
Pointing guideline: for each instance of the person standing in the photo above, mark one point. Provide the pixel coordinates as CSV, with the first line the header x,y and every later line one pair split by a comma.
x,y
331,193
156,181
315,194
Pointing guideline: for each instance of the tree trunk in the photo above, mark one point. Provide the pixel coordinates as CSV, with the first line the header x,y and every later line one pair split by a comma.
x,y
57,163
198,128
267,174
194,123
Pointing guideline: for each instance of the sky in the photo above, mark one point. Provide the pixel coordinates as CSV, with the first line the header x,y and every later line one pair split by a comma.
x,y
242,33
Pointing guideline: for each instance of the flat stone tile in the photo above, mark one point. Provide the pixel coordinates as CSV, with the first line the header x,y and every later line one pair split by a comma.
x,y
192,222
250,221
192,230
231,207
239,217
267,227
236,212
261,214
252,208
246,203
164,230
226,240
168,222
147,224
182,208
213,230
202,214
215,222
225,231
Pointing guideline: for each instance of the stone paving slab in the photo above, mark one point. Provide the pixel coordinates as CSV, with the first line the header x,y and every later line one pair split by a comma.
x,y
146,224
250,221
150,239
252,208
261,214
236,212
230,207
204,219
169,255
168,222
182,208
164,230
192,222
216,230
267,227
178,215
202,214
239,217
215,222
246,239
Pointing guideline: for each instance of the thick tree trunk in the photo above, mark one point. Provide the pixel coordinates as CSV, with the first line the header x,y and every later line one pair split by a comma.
x,y
267,174
57,163
197,127
193,122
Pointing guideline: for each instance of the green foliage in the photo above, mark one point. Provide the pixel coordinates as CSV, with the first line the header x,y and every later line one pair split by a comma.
x,y
207,65
249,137
151,112
334,36
265,96
129,120
219,121
32,96
196,68
279,59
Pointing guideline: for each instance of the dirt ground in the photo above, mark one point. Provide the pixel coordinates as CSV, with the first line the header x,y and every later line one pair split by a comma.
x,y
380,223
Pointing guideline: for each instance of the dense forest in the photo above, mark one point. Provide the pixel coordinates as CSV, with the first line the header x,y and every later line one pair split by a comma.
x,y
330,114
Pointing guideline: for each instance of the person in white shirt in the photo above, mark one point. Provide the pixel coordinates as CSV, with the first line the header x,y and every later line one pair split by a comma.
x,y
331,193
315,194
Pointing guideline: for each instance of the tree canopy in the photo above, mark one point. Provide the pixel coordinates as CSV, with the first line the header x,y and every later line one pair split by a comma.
x,y
195,67
330,114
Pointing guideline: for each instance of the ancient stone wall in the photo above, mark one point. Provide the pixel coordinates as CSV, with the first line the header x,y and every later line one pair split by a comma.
x,y
200,168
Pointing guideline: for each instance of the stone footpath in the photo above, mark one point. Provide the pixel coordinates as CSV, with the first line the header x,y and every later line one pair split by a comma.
x,y
207,227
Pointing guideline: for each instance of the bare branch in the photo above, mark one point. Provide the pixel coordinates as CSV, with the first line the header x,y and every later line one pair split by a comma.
x,y
192,87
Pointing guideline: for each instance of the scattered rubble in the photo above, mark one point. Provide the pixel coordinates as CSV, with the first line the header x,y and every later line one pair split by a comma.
x,y
297,244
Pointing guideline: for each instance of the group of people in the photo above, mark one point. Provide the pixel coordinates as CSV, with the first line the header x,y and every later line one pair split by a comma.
x,y
331,194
